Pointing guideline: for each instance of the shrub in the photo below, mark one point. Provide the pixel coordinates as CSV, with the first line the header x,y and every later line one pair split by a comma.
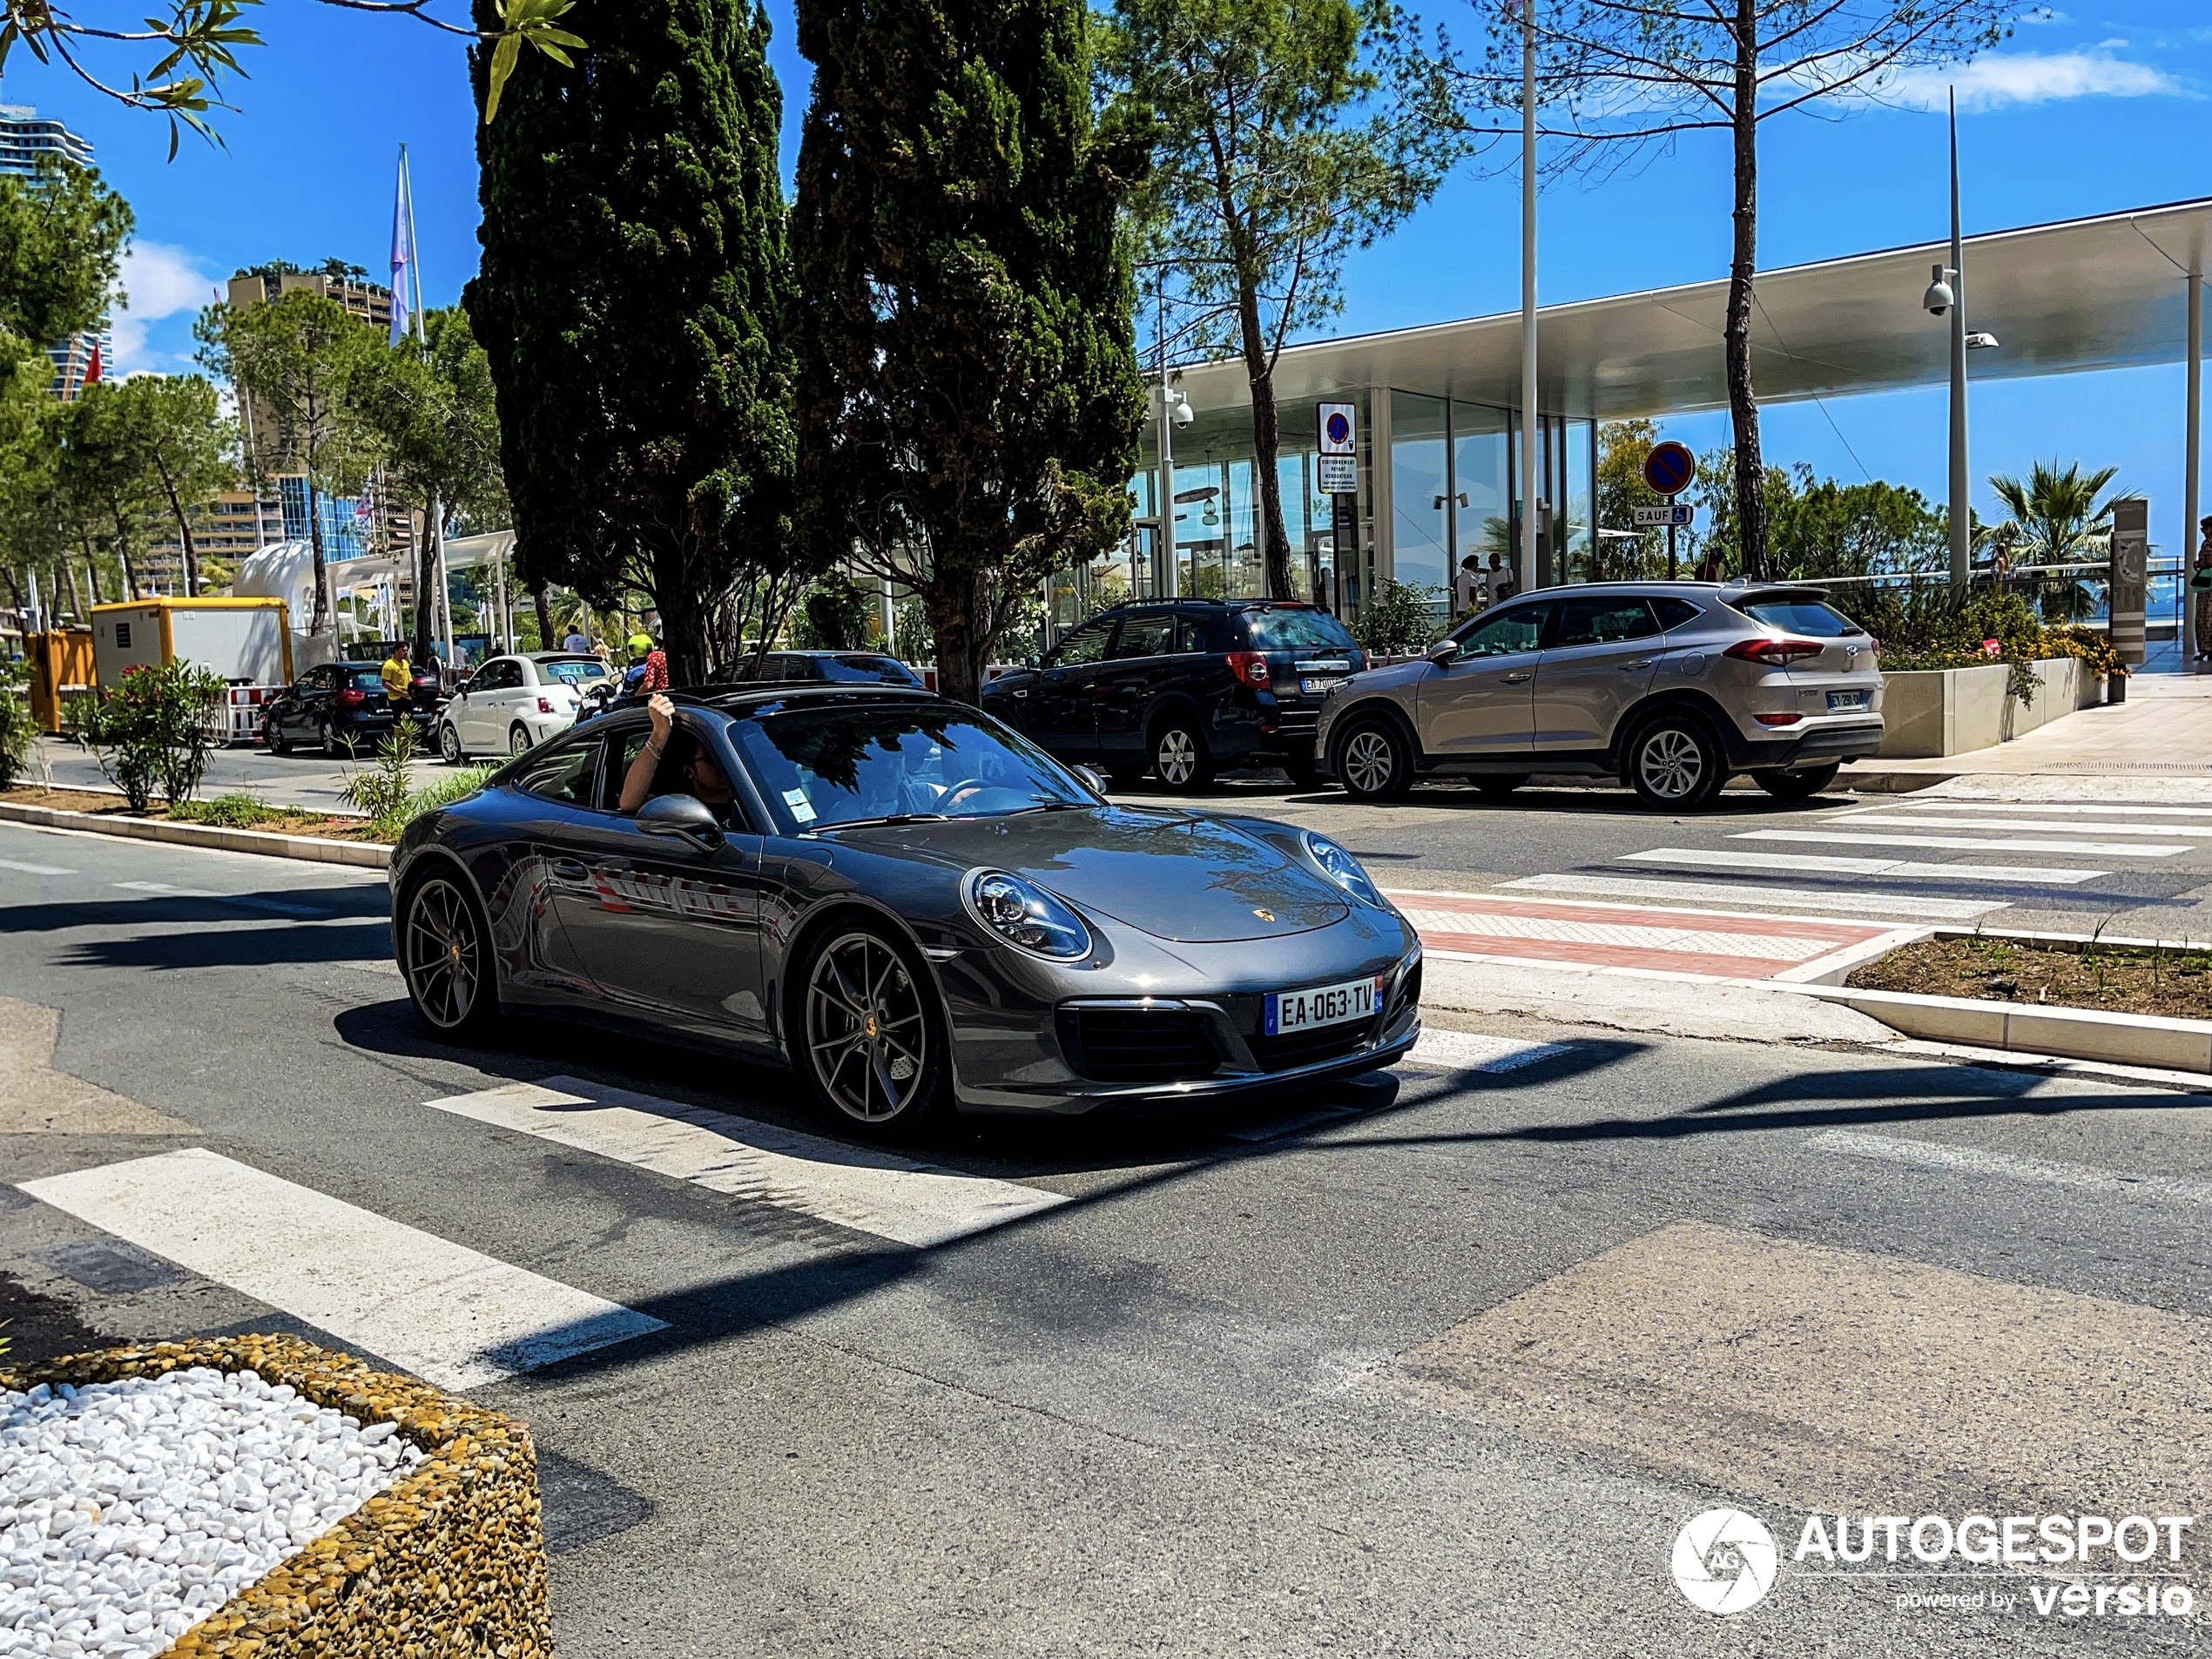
x,y
1398,617
382,790
1935,626
18,735
447,789
155,727
230,811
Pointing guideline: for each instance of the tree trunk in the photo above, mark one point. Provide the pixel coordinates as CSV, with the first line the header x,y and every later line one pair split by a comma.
x,y
951,604
122,553
426,589
318,608
91,570
541,602
76,599
682,616
1743,402
183,531
1274,540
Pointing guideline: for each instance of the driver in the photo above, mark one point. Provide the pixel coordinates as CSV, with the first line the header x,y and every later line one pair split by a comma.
x,y
692,761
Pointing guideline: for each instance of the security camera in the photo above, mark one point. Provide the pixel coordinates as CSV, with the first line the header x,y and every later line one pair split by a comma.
x,y
1939,297
1184,414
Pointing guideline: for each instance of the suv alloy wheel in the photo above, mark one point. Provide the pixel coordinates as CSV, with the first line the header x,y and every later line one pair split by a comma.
x,y
1675,766
1373,762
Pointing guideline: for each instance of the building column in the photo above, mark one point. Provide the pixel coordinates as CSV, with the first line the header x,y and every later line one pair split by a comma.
x,y
1379,469
2193,443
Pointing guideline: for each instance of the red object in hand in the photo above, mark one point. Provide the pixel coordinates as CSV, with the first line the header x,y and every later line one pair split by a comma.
x,y
1250,666
656,673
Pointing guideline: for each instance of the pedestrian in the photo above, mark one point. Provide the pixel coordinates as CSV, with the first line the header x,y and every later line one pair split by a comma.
x,y
396,678
656,677
2200,586
1470,587
575,640
1505,582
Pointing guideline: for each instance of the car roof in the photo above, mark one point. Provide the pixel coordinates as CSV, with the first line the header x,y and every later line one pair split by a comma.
x,y
849,650
557,656
751,696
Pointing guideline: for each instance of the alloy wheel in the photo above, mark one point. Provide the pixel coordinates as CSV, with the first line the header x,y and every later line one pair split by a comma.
x,y
518,741
445,965
449,745
866,1037
1368,761
1178,758
1671,764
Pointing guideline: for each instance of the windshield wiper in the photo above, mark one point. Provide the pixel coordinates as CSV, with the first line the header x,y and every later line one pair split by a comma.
x,y
1051,807
888,818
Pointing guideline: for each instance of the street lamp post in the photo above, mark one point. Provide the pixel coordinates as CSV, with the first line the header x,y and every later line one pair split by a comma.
x,y
1948,294
1528,417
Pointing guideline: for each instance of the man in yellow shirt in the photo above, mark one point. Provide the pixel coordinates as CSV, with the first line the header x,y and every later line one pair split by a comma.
x,y
397,677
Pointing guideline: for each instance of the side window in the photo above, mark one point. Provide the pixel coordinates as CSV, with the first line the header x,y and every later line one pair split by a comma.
x,y
1191,634
1086,645
498,677
1145,636
1503,633
1674,613
323,679
1601,622
624,746
566,774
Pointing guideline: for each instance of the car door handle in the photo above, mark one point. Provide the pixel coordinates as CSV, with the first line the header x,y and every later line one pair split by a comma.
x,y
1021,693
1640,662
569,870
1516,680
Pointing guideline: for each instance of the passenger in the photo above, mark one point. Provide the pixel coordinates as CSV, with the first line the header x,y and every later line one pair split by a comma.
x,y
688,758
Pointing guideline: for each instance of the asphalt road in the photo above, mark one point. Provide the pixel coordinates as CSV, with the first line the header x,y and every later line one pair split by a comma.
x,y
1437,1363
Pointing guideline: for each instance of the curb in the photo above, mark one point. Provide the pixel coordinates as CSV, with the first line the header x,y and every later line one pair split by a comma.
x,y
313,849
1891,783
2074,1034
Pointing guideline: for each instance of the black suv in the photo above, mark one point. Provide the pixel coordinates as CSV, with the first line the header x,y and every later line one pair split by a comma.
x,y
1183,688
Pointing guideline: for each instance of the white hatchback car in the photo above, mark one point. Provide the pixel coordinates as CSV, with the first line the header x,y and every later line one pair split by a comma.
x,y
515,703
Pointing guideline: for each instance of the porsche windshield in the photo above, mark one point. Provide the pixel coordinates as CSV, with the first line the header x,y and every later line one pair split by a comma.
x,y
821,767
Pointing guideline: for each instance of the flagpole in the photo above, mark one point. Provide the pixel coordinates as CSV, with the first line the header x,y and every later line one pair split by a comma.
x,y
434,528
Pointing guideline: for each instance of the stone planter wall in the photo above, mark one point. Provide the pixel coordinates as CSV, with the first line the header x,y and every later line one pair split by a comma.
x,y
448,1562
1953,711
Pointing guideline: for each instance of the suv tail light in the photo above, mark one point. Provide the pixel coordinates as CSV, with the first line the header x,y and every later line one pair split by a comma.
x,y
1775,653
351,699
1250,666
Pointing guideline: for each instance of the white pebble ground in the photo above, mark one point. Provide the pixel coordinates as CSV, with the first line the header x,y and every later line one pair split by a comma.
x,y
131,1510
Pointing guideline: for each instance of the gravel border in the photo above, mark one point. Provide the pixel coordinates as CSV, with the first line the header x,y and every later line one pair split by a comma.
x,y
449,1561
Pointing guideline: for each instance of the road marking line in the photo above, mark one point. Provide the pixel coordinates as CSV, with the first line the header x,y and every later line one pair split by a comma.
x,y
1972,1161
450,1315
870,1191
34,869
1973,843
1795,898
1943,821
1688,942
1472,1051
1896,868
245,901
2078,809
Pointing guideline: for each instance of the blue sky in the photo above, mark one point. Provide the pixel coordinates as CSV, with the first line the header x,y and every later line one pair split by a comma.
x,y
2097,109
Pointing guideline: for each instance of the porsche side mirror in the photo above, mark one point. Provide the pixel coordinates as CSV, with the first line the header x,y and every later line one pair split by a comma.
x,y
1092,777
1444,651
681,818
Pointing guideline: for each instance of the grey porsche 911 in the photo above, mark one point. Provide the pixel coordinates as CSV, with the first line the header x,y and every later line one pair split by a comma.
x,y
906,902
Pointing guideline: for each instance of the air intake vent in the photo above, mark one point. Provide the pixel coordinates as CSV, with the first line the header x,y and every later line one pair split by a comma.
x,y
1137,1045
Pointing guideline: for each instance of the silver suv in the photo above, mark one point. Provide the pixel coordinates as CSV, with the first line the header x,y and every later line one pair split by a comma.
x,y
1669,686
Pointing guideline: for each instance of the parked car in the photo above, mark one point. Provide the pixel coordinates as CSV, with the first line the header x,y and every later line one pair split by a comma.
x,y
839,667
1183,688
338,706
1669,686
512,703
908,904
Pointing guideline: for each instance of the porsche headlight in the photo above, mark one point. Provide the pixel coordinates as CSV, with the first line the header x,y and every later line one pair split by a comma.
x,y
1343,869
1023,914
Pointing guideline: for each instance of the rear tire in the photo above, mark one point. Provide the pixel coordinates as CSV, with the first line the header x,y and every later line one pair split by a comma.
x,y
518,739
1304,767
1499,788
449,743
869,1037
1374,762
1675,764
279,744
1798,785
446,957
1180,756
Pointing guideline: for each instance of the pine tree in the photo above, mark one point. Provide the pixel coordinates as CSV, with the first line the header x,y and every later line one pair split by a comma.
x,y
970,401
634,299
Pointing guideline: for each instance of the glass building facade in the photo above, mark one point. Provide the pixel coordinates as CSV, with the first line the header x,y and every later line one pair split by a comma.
x,y
1438,484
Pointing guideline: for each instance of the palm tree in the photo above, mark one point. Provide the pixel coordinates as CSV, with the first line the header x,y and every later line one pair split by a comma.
x,y
2056,518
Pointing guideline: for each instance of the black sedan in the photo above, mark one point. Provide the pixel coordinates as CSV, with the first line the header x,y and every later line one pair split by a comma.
x,y
908,903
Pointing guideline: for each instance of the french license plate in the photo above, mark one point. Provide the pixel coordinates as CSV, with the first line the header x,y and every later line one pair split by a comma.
x,y
1290,1011
1313,687
1845,700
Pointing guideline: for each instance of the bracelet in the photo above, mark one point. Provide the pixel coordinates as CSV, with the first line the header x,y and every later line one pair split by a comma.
x,y
653,748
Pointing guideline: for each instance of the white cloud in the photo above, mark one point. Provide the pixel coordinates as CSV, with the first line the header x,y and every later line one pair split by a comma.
x,y
158,282
2001,79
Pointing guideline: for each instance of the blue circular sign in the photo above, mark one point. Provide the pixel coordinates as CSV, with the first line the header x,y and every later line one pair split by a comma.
x,y
1670,467
1338,427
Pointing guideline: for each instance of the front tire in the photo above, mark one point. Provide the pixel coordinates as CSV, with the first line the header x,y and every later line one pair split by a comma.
x,y
446,957
518,739
1375,763
1675,766
1180,757
279,744
1798,785
449,743
870,1040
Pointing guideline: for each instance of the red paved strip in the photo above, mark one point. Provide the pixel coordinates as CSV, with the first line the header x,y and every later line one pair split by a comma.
x,y
1843,933
1563,950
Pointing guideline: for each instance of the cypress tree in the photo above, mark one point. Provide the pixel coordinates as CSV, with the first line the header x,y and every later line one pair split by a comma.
x,y
634,301
970,401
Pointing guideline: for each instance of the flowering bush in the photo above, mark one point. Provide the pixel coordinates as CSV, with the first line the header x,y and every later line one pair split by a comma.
x,y
1933,627
156,727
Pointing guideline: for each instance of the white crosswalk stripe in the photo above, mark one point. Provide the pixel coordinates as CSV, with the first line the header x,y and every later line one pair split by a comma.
x,y
34,869
1971,1160
1963,843
244,901
2041,809
449,1314
1855,902
872,1192
1945,820
1897,869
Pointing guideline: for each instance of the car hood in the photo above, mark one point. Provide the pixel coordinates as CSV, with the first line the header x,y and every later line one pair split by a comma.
x,y
1184,879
